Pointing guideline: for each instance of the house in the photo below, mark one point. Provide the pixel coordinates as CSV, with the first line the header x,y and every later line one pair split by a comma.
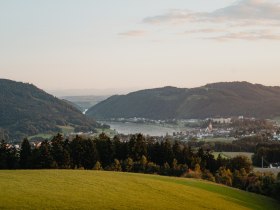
x,y
222,120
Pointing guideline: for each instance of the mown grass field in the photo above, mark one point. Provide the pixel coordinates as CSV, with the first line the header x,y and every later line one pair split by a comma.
x,y
69,189
233,154
109,132
66,129
42,135
221,139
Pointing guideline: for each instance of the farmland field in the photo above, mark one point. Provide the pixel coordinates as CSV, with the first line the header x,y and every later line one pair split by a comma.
x,y
67,129
221,139
109,132
79,189
275,171
233,154
42,135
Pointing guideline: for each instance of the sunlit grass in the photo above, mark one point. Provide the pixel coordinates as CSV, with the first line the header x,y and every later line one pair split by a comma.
x,y
42,135
220,139
68,189
66,129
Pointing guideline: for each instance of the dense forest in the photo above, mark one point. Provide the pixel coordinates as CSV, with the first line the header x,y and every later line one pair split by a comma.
x,y
269,152
139,155
26,110
212,100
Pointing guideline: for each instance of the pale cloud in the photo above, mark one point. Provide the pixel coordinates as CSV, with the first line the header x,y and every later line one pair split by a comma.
x,y
249,35
133,33
235,19
204,30
174,16
255,10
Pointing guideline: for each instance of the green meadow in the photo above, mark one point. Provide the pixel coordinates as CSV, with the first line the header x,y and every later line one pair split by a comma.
x,y
80,189
220,139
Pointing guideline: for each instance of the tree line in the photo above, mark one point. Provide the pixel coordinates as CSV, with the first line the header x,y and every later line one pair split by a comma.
x,y
267,153
244,144
138,155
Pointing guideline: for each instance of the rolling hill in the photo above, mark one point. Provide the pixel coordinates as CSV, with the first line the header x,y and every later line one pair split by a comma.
x,y
79,189
26,110
73,104
212,100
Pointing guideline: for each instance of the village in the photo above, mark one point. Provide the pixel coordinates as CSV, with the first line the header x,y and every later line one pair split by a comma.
x,y
210,128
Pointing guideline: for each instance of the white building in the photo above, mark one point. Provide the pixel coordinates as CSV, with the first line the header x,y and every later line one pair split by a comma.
x,y
222,120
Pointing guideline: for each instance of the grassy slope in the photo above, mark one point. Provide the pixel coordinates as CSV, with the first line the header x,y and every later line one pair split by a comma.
x,y
67,189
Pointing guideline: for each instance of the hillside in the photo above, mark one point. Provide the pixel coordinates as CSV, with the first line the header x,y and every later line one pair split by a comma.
x,y
68,189
73,104
212,100
26,110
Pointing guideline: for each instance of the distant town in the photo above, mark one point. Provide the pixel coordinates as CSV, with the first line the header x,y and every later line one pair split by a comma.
x,y
212,128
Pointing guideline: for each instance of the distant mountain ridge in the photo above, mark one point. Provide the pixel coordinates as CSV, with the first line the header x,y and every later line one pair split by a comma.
x,y
223,99
84,102
27,110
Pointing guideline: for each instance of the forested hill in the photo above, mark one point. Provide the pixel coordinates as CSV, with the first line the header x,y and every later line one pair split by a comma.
x,y
212,100
26,110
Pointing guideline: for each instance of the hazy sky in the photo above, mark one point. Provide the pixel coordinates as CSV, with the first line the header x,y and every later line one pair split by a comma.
x,y
118,44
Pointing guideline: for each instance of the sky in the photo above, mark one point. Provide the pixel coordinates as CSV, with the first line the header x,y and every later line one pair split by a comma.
x,y
118,45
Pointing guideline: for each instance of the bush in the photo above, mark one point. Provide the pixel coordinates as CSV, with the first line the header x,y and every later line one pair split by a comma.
x,y
207,175
97,166
224,176
152,168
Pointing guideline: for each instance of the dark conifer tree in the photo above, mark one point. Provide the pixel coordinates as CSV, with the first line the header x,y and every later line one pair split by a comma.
x,y
187,154
155,153
89,156
45,157
3,155
202,157
211,163
25,154
137,147
12,158
105,150
76,152
166,152
177,151
120,149
59,155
